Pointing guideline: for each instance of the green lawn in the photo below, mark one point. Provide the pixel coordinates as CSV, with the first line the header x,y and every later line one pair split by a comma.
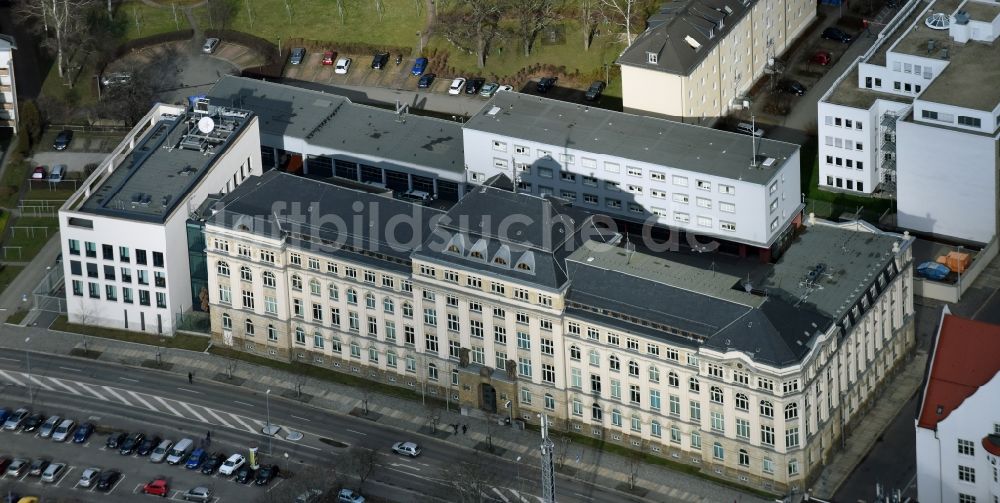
x,y
7,275
143,20
179,341
30,240
13,177
82,93
832,204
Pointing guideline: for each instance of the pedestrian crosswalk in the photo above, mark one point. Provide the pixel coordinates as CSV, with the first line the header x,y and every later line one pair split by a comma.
x,y
508,495
154,403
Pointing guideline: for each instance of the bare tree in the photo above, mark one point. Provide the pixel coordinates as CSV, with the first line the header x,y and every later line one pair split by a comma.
x,y
66,18
533,16
491,426
562,443
249,12
634,462
301,379
220,13
288,10
361,463
379,9
472,476
624,10
476,24
590,15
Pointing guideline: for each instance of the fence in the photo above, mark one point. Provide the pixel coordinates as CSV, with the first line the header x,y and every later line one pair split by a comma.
x,y
841,212
50,294
39,207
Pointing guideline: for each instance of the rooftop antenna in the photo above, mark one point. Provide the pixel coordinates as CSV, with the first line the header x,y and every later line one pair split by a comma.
x,y
629,249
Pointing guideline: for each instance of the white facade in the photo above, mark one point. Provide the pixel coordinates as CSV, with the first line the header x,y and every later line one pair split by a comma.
x,y
8,88
730,209
107,282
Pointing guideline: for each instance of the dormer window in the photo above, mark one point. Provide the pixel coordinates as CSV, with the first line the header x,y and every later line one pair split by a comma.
x,y
524,267
500,261
453,249
476,254
502,256
652,58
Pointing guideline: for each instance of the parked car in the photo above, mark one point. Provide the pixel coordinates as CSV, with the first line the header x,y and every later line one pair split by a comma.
x,y
343,66
380,60
310,496
836,34
298,54
489,89
53,472
63,139
456,86
426,81
116,79
18,468
82,434
107,480
821,58
265,474
212,463
410,449
49,426
159,454
15,420
180,451
58,173
792,87
349,496
196,458
419,66
131,443
4,463
328,57
156,487
33,422
115,440
147,446
245,474
232,464
473,85
546,83
210,45
38,467
200,494
64,430
505,87
595,90
747,128
88,477
38,173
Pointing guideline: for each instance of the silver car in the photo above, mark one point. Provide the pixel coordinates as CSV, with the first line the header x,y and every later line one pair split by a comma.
x,y
53,472
15,420
210,45
89,477
49,426
160,452
199,493
64,430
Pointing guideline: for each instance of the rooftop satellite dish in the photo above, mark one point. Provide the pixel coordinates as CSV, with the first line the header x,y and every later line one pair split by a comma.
x,y
206,125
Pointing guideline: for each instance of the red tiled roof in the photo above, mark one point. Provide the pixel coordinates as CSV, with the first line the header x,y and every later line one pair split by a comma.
x,y
992,444
966,356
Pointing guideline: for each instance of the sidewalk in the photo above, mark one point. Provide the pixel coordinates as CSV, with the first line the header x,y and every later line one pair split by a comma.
x,y
590,465
866,433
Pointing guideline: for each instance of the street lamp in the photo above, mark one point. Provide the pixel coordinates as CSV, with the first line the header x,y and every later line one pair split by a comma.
x,y
269,430
27,359
517,473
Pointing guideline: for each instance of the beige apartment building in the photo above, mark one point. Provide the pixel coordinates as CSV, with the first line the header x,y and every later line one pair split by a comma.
x,y
697,58
750,371
8,89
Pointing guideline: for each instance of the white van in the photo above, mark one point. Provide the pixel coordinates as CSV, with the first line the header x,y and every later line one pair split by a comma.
x,y
747,128
57,173
180,451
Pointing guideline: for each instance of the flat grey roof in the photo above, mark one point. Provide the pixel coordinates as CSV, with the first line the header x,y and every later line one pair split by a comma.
x,y
704,295
335,122
168,161
848,93
647,139
704,22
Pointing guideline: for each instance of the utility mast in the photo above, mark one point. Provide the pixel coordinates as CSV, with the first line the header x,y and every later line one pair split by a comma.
x,y
548,468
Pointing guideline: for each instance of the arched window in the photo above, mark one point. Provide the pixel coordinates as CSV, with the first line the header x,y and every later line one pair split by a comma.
x,y
227,321
296,283
636,423
315,288
574,353
633,368
248,327
318,341
272,333
742,402
655,429
716,394
352,296
744,457
766,409
333,292
245,274
432,372
616,417
595,413
693,385
614,363
335,344
388,305
369,301
222,267
300,335
718,452
595,358
673,380
550,402
791,411
269,280
654,374
407,310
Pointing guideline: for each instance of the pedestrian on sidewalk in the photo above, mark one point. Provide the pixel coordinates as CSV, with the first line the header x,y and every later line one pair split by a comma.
x,y
465,428
190,378
455,427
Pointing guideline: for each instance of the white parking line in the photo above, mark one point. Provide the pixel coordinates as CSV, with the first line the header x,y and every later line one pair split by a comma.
x,y
356,432
11,378
64,386
120,480
243,403
500,494
129,380
300,418
238,420
167,405
142,400
40,383
219,418
116,395
91,391
9,359
189,390
72,369
192,411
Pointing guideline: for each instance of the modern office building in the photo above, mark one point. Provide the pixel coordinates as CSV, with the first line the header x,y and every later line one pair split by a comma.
x,y
516,304
8,87
697,58
124,238
323,135
958,422
713,183
916,119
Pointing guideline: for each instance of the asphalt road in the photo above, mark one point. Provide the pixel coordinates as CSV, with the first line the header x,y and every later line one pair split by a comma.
x,y
130,398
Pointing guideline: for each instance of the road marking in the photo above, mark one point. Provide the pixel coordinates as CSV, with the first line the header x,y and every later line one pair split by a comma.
x,y
91,391
238,420
9,359
500,494
129,380
11,378
64,386
300,418
189,390
167,405
411,467
116,395
357,432
142,400
40,383
71,369
196,414
584,496
216,416
243,403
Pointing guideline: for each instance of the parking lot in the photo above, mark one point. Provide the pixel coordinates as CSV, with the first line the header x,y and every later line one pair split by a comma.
x,y
136,472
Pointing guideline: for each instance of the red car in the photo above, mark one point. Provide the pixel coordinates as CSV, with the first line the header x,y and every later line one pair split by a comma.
x,y
157,487
328,58
822,58
38,173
